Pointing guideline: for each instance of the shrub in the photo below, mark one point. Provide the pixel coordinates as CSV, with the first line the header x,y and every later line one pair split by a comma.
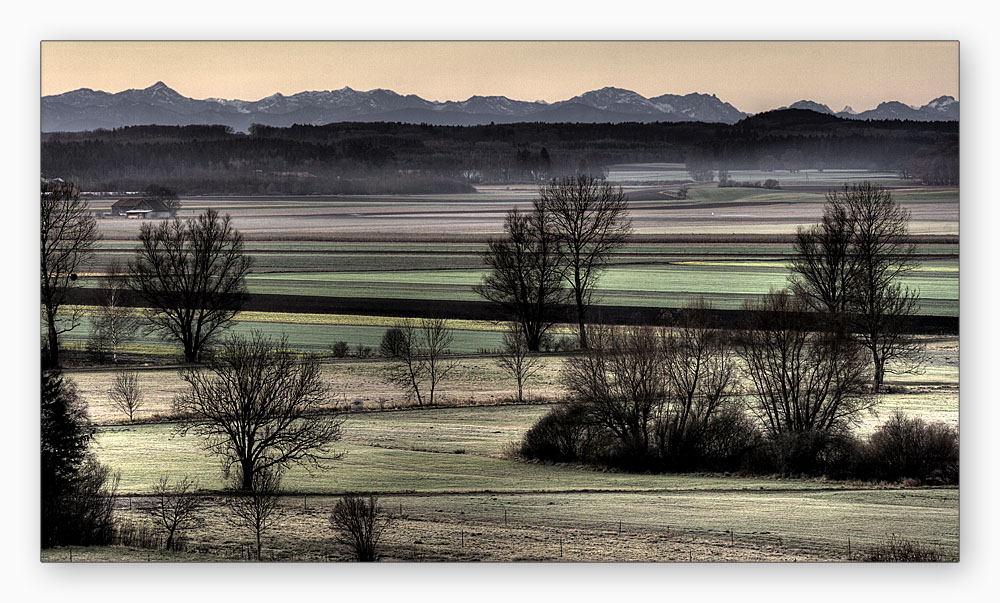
x,y
895,549
563,434
815,452
363,351
339,349
85,514
359,523
394,343
728,441
134,534
912,448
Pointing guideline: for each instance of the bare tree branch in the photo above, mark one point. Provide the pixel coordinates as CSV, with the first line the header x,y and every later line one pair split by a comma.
x,y
256,508
421,355
590,221
190,274
175,509
68,234
849,266
259,407
126,393
804,380
516,359
525,279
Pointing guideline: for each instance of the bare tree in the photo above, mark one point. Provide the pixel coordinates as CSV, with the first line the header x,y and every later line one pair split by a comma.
x,y
421,355
115,321
621,381
824,268
190,274
68,234
701,379
126,393
407,371
803,380
849,267
434,340
516,359
590,221
255,509
176,509
525,279
359,523
259,407
881,306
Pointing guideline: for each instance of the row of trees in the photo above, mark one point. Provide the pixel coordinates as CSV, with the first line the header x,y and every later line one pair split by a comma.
x,y
353,157
813,358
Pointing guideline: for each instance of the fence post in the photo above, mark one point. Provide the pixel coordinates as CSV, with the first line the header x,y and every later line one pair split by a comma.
x,y
731,537
848,548
505,518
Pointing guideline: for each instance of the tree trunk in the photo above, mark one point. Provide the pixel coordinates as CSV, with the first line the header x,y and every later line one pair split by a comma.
x,y
580,315
247,467
879,377
53,343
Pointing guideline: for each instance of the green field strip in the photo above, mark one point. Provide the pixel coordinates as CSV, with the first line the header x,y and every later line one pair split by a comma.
x,y
936,282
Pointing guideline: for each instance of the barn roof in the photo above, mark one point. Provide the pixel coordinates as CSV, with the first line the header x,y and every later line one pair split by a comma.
x,y
139,203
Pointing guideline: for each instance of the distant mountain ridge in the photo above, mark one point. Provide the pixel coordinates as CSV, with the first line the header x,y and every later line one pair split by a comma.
x,y
86,109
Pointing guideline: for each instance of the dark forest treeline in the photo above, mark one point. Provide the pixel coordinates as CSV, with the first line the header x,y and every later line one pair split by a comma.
x,y
414,158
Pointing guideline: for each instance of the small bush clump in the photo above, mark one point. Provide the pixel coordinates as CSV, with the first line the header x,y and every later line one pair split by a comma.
x,y
562,435
815,452
339,349
894,549
359,522
911,448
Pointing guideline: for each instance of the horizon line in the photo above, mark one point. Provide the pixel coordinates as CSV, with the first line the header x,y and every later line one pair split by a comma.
x,y
348,87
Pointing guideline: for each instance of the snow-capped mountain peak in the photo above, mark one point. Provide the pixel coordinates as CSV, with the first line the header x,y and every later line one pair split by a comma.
x,y
812,106
941,103
86,109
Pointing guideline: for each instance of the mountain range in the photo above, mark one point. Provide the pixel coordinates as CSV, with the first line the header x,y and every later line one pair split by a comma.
x,y
86,109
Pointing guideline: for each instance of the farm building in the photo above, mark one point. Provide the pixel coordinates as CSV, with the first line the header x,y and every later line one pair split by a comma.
x,y
140,207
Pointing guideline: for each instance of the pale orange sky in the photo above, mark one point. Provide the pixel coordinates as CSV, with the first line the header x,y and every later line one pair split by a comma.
x,y
753,76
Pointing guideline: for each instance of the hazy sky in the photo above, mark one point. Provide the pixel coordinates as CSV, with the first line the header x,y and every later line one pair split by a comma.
x,y
753,76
